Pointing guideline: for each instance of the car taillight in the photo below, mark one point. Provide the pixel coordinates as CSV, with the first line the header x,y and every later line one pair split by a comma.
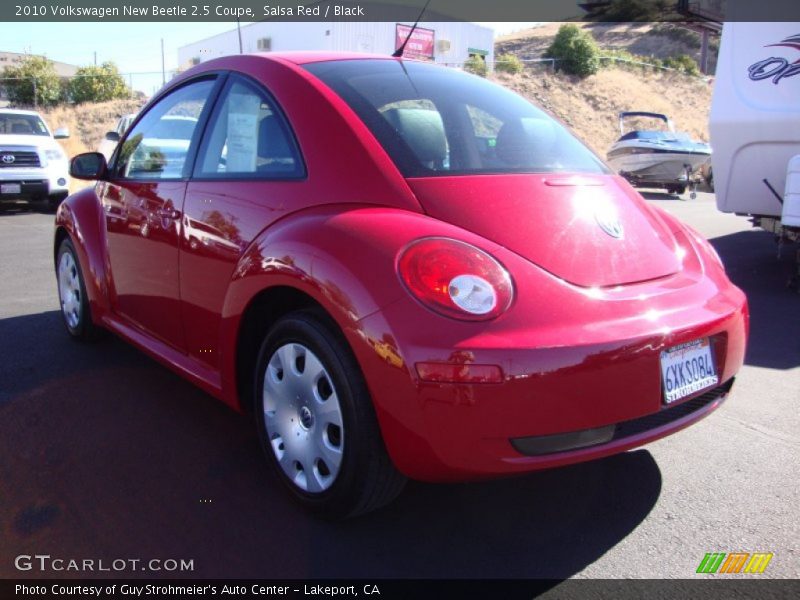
x,y
455,279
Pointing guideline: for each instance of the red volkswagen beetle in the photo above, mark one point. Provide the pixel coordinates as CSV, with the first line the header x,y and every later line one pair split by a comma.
x,y
400,269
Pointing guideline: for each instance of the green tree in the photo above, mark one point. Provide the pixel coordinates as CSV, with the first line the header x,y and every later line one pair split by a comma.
x,y
33,82
98,84
476,65
575,51
508,63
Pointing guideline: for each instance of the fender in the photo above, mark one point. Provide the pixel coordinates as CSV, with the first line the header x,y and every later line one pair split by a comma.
x,y
341,256
81,217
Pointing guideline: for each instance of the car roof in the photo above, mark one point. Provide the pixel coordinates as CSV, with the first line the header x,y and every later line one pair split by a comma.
x,y
294,57
311,56
15,111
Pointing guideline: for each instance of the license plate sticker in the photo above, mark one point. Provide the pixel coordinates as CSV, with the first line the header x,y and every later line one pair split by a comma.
x,y
10,188
687,369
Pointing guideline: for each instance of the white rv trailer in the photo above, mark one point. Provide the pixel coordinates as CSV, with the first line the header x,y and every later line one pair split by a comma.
x,y
755,125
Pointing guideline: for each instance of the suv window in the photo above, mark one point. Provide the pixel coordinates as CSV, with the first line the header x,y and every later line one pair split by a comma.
x,y
248,137
13,124
158,146
438,121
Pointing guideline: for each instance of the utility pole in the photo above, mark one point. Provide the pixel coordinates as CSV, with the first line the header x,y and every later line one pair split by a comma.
x,y
704,52
95,58
163,71
239,31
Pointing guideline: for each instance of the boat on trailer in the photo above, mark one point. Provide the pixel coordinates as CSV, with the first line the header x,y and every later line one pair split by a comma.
x,y
660,158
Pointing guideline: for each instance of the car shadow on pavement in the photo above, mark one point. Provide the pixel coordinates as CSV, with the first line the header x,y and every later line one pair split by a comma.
x,y
106,454
9,209
752,263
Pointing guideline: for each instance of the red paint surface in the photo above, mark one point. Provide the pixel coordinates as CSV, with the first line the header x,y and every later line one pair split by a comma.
x,y
578,347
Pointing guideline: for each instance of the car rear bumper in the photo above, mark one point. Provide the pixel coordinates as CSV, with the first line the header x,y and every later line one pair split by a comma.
x,y
585,391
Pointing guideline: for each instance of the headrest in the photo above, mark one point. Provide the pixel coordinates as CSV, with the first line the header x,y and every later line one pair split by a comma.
x,y
272,140
422,130
526,142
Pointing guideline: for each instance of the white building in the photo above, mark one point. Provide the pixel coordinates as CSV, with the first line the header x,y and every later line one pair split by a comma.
x,y
449,43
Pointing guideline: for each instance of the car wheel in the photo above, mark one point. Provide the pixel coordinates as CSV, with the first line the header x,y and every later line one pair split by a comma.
x,y
72,294
316,421
55,200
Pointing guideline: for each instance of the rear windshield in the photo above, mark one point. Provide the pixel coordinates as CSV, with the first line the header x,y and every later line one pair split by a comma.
x,y
11,123
440,121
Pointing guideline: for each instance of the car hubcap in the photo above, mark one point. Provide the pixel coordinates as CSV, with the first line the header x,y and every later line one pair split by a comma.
x,y
303,418
69,290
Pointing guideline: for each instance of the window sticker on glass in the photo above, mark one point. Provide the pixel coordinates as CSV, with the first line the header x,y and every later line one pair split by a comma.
x,y
242,143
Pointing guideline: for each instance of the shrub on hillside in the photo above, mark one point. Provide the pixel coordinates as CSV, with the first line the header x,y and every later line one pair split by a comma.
x,y
508,63
689,38
475,65
683,63
33,82
575,51
98,84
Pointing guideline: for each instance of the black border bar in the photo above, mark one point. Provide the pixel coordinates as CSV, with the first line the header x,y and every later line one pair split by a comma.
x,y
711,588
394,10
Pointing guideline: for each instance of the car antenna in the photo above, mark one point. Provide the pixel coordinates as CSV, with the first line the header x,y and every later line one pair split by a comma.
x,y
399,52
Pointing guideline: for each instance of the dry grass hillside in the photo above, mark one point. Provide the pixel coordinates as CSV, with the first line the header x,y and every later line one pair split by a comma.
x,y
643,39
87,123
590,106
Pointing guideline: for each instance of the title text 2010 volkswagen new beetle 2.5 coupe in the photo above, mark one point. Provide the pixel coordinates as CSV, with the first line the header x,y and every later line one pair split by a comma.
x,y
400,269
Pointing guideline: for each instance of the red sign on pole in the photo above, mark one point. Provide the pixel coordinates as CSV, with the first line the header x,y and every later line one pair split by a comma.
x,y
420,45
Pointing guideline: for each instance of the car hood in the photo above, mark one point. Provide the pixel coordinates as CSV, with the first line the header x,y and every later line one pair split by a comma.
x,y
593,231
31,141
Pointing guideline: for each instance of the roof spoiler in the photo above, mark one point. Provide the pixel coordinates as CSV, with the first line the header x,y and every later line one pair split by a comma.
x,y
651,115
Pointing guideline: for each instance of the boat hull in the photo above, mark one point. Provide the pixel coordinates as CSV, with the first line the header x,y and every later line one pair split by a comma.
x,y
657,167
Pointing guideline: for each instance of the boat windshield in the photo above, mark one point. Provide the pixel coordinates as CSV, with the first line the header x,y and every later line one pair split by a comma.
x,y
679,136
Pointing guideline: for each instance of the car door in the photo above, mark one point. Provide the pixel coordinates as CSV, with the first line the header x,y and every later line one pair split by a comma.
x,y
247,172
142,201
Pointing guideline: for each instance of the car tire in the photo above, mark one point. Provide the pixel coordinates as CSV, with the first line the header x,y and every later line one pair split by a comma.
x,y
316,421
55,200
75,310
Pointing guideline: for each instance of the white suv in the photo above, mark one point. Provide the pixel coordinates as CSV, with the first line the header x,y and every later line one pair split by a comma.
x,y
32,164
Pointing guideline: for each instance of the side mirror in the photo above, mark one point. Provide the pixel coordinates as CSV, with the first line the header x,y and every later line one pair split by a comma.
x,y
112,136
61,133
89,165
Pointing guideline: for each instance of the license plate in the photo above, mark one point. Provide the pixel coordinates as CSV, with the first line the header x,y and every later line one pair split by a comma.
x,y
10,188
687,369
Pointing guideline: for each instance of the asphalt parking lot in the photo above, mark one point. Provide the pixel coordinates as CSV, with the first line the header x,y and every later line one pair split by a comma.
x,y
106,454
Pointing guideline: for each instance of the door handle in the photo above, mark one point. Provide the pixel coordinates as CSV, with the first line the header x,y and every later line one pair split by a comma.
x,y
168,213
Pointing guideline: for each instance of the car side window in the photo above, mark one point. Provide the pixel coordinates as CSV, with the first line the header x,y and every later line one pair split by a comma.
x,y
158,147
248,137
